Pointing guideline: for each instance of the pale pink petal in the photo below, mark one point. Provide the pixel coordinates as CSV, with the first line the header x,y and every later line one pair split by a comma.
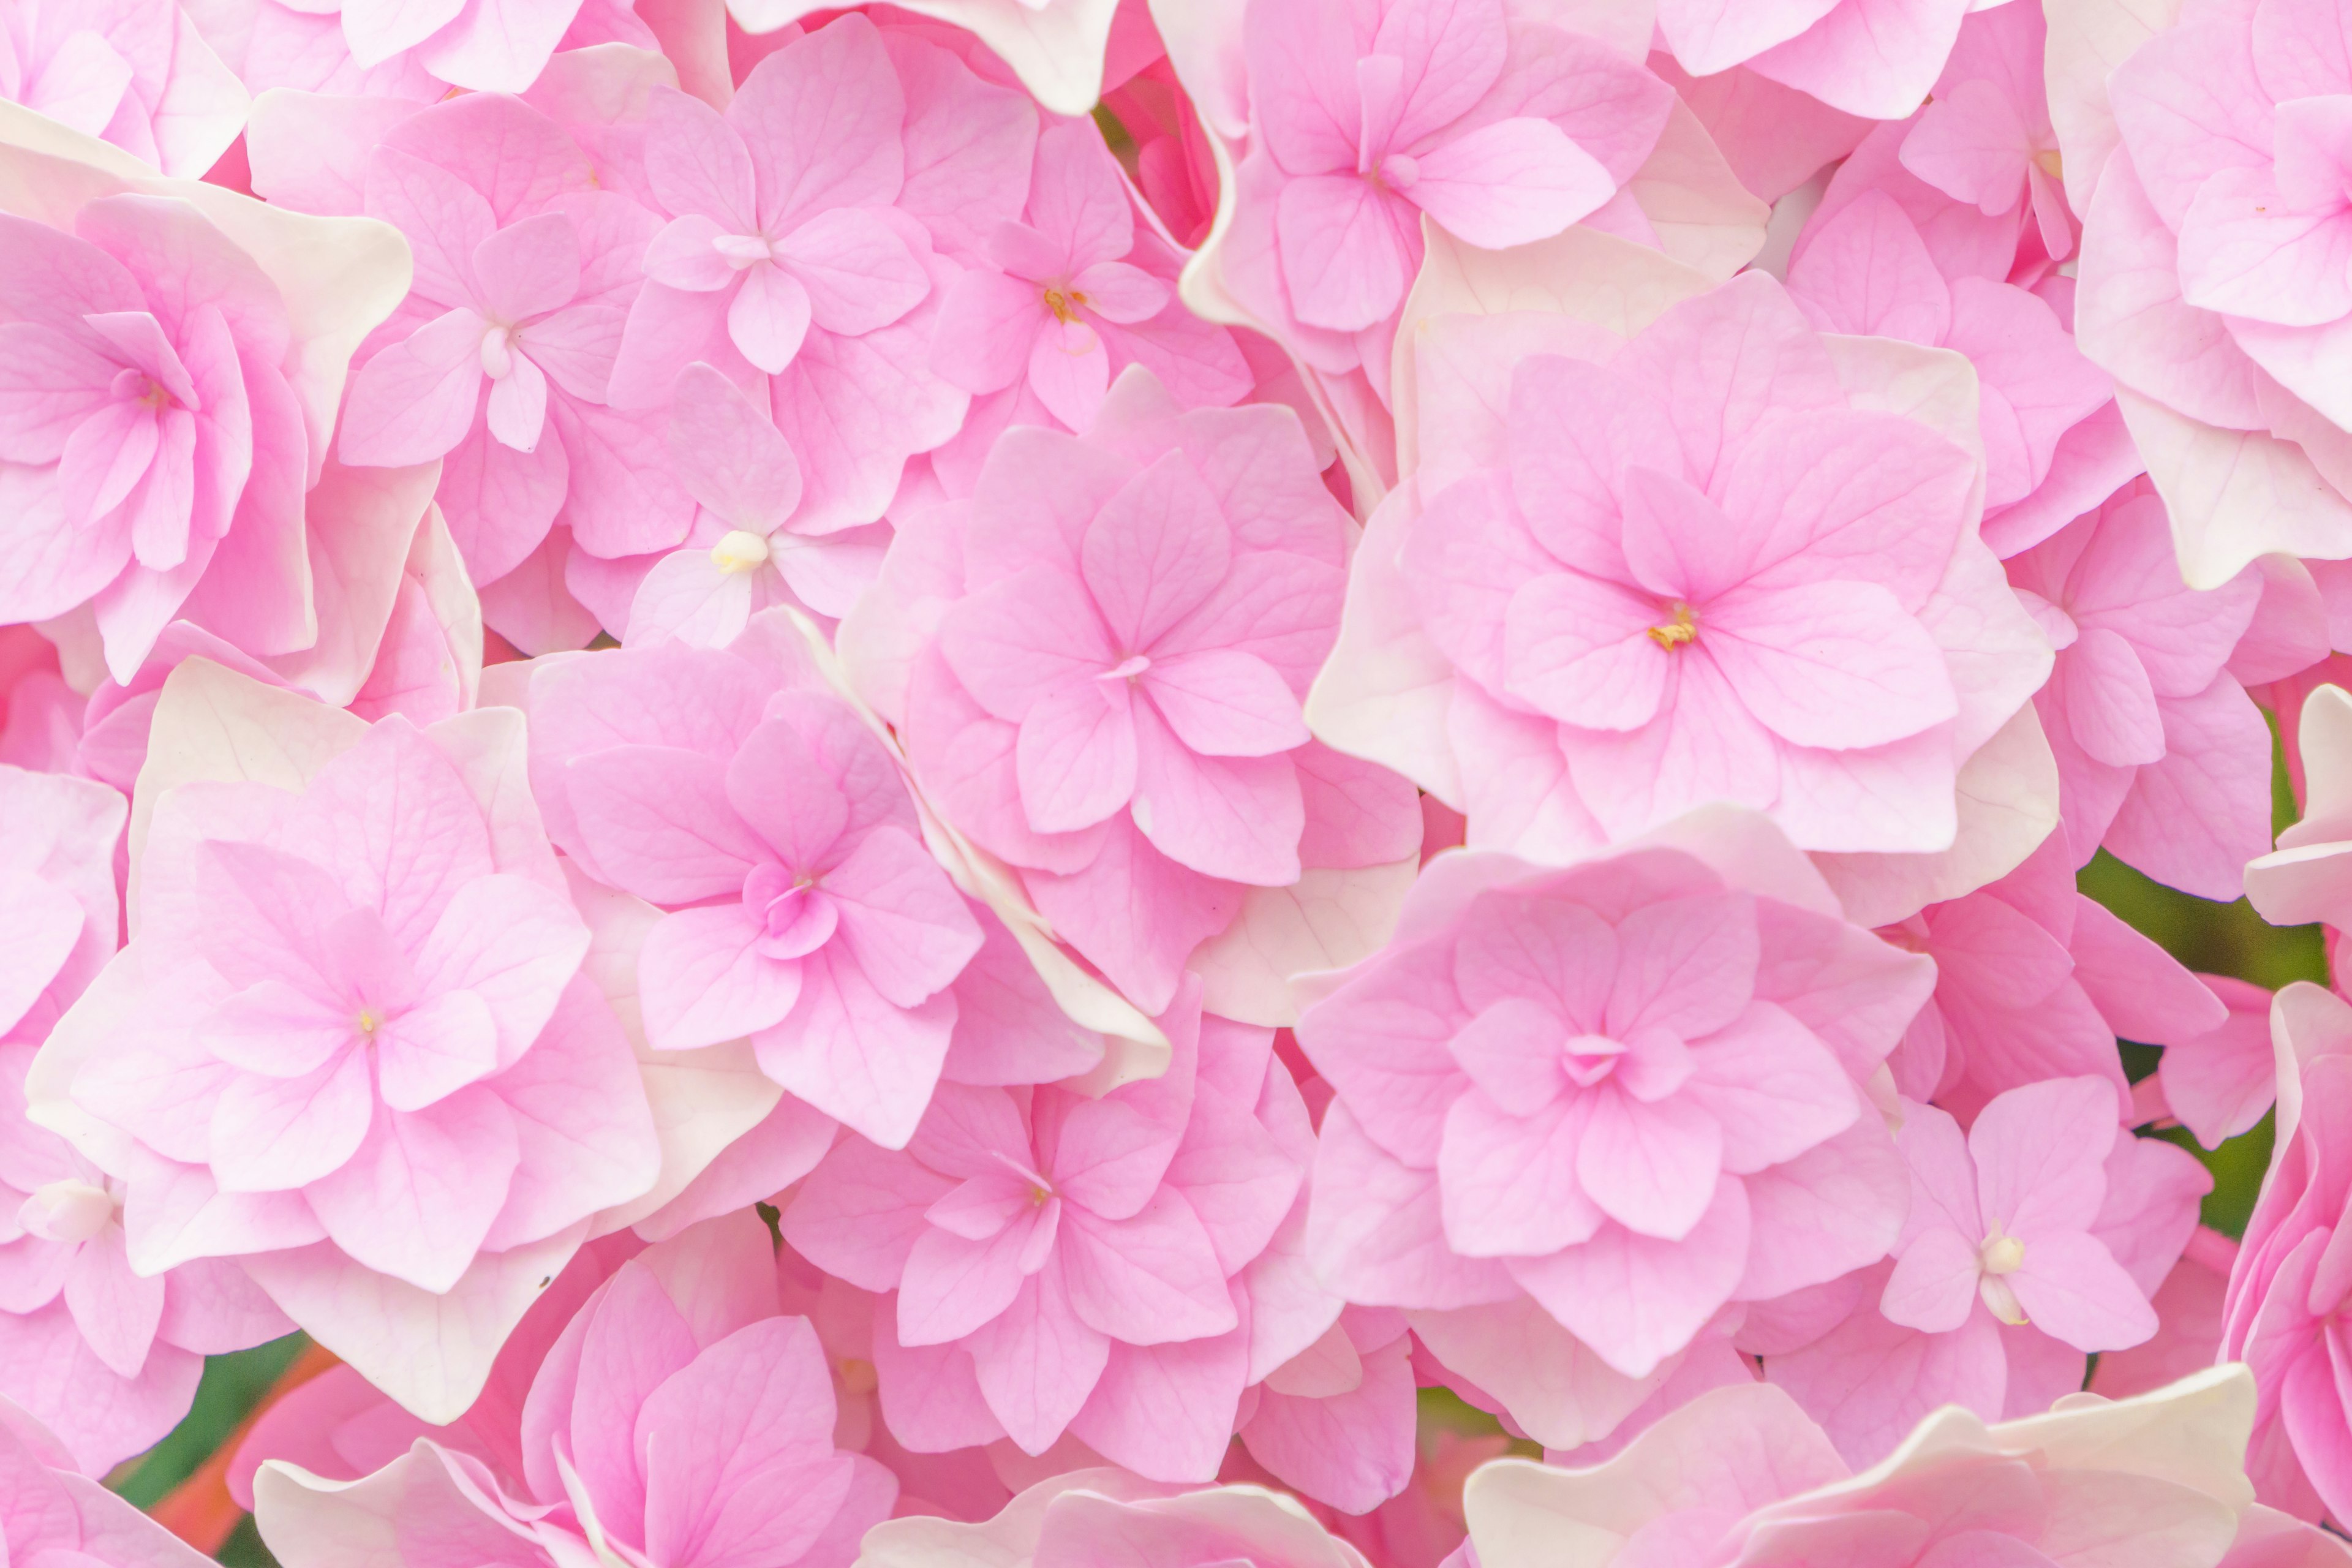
x,y
1511,182
702,979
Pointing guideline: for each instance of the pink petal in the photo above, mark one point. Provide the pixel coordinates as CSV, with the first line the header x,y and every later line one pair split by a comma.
x,y
1076,758
657,820
901,917
2247,250
1511,182
529,268
1021,638
954,1284
1512,1051
429,1052
1578,648
1933,1285
1346,252
1834,665
858,271
2072,1289
2040,1154
518,405
850,1052
414,401
1155,551
769,317
1069,372
116,1310
1637,1300
416,1199
697,164
1233,817
1507,1183
49,384
822,117
1651,1167
2110,707
987,324
1038,1362
1225,703
702,979
1149,1278
272,1135
1685,965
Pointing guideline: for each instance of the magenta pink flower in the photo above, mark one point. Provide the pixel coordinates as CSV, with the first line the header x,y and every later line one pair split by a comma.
x,y
1367,114
350,1046
137,73
682,1343
1870,1354
804,910
1690,569
804,240
169,359
108,1359
2161,756
744,553
1866,270
2213,193
1083,292
1097,670
1055,1255
1615,1090
2034,979
498,361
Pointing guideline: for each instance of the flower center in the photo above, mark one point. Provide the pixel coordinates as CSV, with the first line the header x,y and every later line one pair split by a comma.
x,y
135,386
1127,668
1065,303
742,250
2000,1257
369,1020
498,352
1589,1058
1673,633
1399,171
740,551
2050,163
68,1210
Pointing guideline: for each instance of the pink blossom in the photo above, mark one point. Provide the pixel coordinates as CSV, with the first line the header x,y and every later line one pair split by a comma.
x,y
349,1043
2034,979
1873,57
2189,1322
1083,292
1626,1090
2284,1295
1088,1516
55,1514
805,240
2161,755
804,910
1985,137
137,73
1055,1255
682,1343
1740,1476
108,1359
2202,157
170,361
1869,1355
496,364
1866,270
1690,567
743,553
1097,664
1365,116
1056,46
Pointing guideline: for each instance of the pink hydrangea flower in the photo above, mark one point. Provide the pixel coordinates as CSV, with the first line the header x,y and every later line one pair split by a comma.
x,y
1869,1355
744,553
168,369
107,1358
804,910
1689,567
349,1045
1740,1476
1054,1257
802,246
1084,291
1367,115
2033,981
1626,1090
1085,1516
1865,269
498,361
2212,195
1869,57
1056,46
1096,667
133,72
2162,758
2284,1296
53,1513
1985,138
683,1343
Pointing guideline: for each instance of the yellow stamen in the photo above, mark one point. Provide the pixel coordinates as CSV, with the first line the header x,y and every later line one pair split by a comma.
x,y
1673,633
1064,306
2051,163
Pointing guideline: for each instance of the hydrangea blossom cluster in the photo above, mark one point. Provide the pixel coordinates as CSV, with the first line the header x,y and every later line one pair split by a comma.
x,y
985,782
